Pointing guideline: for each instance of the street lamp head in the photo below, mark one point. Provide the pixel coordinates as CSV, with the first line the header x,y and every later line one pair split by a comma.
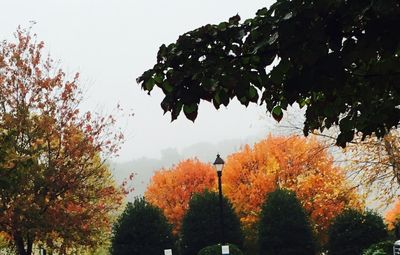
x,y
219,163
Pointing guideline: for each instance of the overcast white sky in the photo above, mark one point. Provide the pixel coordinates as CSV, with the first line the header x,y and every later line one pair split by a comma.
x,y
111,42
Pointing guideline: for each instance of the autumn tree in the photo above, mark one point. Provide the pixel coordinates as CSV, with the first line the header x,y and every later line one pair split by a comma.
x,y
171,189
339,59
55,188
392,217
295,163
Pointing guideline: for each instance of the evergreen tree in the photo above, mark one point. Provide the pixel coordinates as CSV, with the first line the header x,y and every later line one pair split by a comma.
x,y
352,231
284,228
201,224
142,229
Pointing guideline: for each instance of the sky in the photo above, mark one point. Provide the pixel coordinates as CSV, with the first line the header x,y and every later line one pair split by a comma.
x,y
110,43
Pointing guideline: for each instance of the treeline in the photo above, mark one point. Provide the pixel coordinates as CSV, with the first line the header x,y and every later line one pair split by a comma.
x,y
284,195
284,227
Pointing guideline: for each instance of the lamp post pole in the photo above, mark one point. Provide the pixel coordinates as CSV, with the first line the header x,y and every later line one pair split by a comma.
x,y
219,163
221,218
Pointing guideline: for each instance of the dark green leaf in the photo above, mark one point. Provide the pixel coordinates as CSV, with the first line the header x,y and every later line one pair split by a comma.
x,y
277,113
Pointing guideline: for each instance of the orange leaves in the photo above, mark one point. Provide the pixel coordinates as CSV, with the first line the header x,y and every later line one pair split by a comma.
x,y
296,163
171,189
393,216
74,208
51,154
302,165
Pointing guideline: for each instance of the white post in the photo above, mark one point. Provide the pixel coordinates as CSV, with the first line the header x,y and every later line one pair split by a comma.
x,y
225,249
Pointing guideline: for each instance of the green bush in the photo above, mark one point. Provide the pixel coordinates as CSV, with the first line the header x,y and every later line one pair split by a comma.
x,y
284,228
216,250
382,248
352,231
142,229
201,224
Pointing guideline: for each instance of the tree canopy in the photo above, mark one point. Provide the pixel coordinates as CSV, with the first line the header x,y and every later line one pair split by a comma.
x,y
142,229
375,163
300,164
339,59
201,224
392,216
55,188
171,189
352,231
284,227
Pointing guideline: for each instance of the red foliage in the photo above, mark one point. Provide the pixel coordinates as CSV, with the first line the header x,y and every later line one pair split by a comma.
x,y
59,191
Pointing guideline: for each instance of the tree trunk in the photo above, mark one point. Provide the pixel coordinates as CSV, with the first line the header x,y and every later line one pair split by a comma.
x,y
29,244
22,248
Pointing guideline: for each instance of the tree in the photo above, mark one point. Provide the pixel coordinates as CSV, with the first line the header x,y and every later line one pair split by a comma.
x,y
375,163
352,231
284,227
292,162
340,59
55,188
392,216
201,223
171,189
142,229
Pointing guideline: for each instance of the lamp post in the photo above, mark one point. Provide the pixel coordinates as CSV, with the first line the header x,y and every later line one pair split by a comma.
x,y
219,164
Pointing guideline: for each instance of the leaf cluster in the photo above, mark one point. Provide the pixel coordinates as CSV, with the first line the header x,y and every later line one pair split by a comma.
x,y
141,229
352,231
201,224
284,227
340,59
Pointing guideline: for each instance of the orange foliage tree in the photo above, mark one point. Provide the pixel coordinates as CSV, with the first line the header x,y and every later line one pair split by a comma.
x,y
171,189
296,163
55,188
392,216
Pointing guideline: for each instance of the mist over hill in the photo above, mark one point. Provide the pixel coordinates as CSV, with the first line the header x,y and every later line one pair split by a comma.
x,y
145,167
